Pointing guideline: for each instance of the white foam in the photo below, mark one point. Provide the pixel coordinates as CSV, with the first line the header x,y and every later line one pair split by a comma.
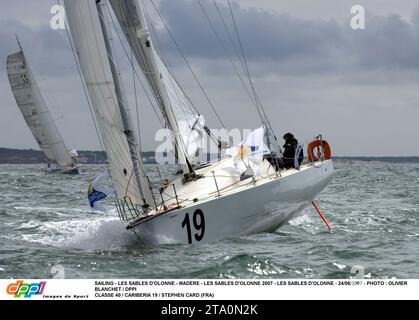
x,y
301,220
31,224
90,232
105,235
339,266
49,209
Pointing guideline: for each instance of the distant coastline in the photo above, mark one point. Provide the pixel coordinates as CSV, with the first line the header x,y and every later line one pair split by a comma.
x,y
393,159
30,156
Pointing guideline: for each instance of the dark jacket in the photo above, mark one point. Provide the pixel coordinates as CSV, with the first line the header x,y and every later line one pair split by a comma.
x,y
290,147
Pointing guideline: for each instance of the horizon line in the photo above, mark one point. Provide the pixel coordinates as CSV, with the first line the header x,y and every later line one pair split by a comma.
x,y
150,151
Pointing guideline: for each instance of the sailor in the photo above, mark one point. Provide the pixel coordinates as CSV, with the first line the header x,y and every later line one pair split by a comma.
x,y
289,155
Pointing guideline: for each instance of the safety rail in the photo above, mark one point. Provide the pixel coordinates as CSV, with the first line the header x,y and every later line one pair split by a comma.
x,y
128,211
216,184
318,150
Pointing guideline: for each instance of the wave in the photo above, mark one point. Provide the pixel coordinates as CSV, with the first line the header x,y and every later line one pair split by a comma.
x,y
90,231
105,235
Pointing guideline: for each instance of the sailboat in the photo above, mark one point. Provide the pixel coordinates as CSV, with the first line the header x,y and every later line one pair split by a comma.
x,y
38,117
203,203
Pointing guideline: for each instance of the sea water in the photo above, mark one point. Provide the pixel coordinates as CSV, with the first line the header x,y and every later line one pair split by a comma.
x,y
47,231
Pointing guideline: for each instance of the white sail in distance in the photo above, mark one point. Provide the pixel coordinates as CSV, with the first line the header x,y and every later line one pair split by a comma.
x,y
187,126
89,43
35,111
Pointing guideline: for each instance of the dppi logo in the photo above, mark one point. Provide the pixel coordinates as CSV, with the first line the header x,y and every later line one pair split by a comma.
x,y
19,289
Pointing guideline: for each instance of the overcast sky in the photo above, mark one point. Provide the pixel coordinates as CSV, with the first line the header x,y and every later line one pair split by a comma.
x,y
313,72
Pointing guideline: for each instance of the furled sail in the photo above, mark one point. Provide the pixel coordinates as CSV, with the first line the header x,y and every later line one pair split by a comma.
x,y
89,42
248,155
35,111
187,126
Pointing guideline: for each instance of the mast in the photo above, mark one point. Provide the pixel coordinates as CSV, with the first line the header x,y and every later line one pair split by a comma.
x,y
130,14
18,43
126,119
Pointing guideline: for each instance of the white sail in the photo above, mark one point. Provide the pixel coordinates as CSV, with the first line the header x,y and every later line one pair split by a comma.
x,y
35,111
174,104
89,42
191,125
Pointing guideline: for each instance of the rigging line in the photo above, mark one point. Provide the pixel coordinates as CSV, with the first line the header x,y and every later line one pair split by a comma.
x,y
131,61
243,54
136,100
159,43
132,64
229,36
130,20
138,154
82,81
227,53
103,70
193,108
90,108
84,86
255,99
266,119
128,183
187,63
136,103
108,86
259,104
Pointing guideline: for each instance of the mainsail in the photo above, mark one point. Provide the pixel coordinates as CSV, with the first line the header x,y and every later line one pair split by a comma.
x,y
187,126
35,111
94,56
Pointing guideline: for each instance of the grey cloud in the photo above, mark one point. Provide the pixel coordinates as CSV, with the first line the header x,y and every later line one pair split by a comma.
x,y
265,35
278,43
45,48
415,17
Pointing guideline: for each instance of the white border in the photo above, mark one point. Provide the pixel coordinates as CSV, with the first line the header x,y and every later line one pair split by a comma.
x,y
211,289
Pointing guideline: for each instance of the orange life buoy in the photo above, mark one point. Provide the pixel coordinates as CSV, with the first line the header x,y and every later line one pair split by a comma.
x,y
314,155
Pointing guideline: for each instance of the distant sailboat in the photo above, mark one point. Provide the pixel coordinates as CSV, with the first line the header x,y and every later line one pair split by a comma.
x,y
37,116
203,204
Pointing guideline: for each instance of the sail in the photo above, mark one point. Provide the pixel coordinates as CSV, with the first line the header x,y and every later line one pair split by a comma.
x,y
191,125
174,104
35,111
89,42
248,155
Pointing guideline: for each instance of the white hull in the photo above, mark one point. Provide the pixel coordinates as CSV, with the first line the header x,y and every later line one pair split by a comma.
x,y
70,171
262,206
